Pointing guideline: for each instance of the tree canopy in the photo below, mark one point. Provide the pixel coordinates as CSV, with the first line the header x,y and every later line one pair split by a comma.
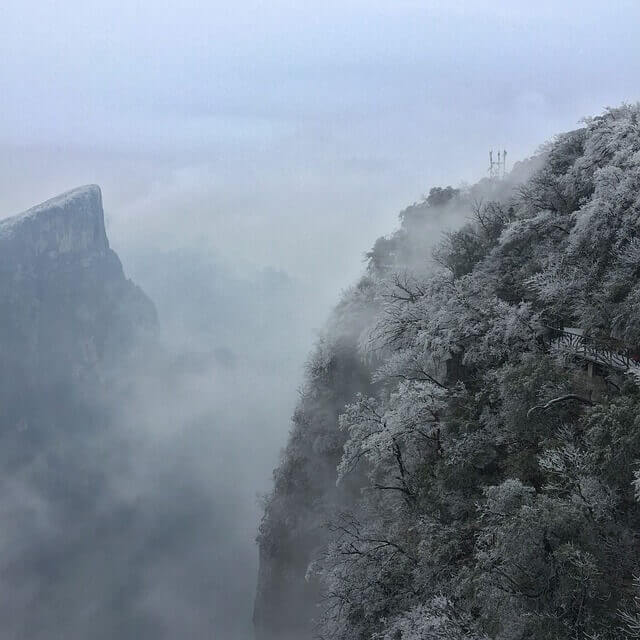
x,y
486,475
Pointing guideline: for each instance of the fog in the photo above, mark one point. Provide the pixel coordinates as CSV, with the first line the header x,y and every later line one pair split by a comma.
x,y
249,155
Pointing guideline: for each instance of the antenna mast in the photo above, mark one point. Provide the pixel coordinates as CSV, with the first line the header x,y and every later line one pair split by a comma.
x,y
497,168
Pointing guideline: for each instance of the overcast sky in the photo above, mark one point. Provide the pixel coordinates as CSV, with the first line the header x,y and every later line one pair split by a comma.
x,y
276,133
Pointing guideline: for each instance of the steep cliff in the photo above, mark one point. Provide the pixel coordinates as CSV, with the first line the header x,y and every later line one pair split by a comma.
x,y
71,324
305,494
66,303
306,499
493,444
68,311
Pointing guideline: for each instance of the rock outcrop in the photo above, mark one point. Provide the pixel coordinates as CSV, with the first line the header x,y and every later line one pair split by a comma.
x,y
67,307
71,326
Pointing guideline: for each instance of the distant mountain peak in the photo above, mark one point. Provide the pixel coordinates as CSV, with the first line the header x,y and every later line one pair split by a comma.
x,y
72,222
66,302
88,198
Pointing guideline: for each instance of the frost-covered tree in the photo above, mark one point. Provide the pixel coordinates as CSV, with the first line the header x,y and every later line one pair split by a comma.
x,y
487,468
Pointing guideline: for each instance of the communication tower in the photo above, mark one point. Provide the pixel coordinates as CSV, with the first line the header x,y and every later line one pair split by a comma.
x,y
497,168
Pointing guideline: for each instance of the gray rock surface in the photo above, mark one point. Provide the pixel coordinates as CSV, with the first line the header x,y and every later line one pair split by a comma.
x,y
70,325
66,303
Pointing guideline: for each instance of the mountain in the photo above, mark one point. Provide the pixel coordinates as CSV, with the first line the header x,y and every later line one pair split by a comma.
x,y
67,305
463,462
71,327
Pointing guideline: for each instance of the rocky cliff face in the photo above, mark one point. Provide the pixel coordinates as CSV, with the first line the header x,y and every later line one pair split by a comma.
x,y
293,530
67,307
71,323
69,224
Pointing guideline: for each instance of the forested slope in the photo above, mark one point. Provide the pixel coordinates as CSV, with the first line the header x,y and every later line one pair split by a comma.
x,y
457,468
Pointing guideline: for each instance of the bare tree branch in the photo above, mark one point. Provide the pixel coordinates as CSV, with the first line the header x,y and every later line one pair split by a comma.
x,y
561,399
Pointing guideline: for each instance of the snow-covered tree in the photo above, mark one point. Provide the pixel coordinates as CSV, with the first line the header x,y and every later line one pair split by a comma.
x,y
486,471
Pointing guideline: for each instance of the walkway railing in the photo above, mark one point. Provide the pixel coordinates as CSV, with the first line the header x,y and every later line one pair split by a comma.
x,y
613,356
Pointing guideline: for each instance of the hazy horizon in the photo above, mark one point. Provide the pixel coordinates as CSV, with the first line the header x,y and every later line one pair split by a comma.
x,y
231,124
